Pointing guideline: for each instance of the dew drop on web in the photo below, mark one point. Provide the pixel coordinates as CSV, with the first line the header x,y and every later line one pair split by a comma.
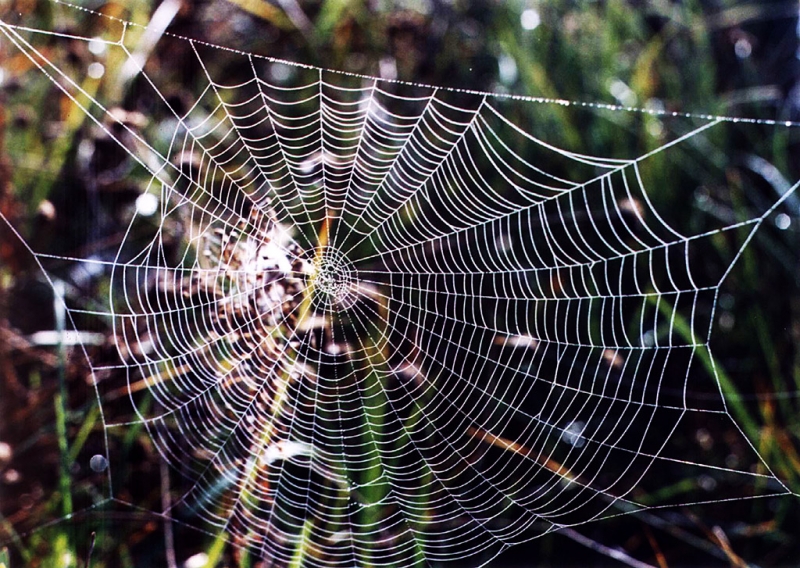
x,y
98,463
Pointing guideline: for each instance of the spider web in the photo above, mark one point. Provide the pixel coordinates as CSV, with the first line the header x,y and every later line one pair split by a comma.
x,y
391,319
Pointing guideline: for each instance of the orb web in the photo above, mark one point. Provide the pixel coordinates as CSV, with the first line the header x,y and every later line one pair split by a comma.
x,y
391,319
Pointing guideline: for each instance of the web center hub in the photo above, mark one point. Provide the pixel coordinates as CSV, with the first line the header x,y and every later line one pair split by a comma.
x,y
334,277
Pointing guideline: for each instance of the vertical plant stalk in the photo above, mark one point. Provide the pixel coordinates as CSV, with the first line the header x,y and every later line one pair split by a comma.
x,y
300,552
60,400
61,544
166,503
375,491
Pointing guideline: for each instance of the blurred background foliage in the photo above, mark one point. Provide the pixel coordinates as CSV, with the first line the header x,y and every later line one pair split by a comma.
x,y
714,57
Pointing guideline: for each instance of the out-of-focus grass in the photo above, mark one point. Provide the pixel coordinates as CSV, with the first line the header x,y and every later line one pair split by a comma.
x,y
4,560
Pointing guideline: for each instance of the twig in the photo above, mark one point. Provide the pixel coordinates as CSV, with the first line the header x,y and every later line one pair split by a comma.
x,y
159,22
660,558
614,553
91,550
718,537
725,545
166,504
